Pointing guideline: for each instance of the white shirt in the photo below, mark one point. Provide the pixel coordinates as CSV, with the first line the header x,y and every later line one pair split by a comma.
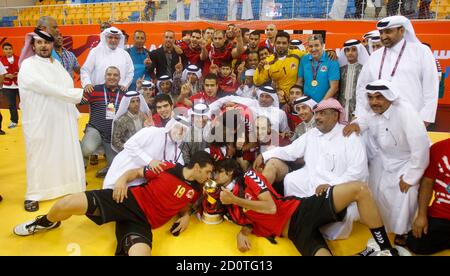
x,y
247,11
13,86
416,76
277,116
330,158
100,58
2,69
246,91
194,10
150,143
49,120
401,140
349,90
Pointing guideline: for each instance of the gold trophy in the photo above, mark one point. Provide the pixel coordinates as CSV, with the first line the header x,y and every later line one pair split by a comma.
x,y
212,208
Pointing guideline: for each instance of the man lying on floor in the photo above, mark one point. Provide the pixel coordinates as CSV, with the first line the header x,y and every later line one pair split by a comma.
x,y
253,203
136,210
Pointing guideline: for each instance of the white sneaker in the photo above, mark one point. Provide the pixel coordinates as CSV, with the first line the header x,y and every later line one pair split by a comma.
x,y
395,251
12,125
371,248
386,252
402,251
32,226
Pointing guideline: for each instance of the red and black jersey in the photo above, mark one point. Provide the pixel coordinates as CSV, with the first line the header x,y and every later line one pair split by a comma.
x,y
244,55
228,84
165,194
218,152
202,97
192,55
217,56
293,120
11,68
439,170
266,43
263,225
158,121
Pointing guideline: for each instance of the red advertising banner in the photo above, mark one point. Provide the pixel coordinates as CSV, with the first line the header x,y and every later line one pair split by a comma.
x,y
80,38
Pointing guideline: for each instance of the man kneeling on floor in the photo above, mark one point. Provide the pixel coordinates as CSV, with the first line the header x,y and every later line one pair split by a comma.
x,y
137,210
253,203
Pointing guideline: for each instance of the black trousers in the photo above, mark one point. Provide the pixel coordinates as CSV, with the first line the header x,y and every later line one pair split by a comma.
x,y
12,95
437,239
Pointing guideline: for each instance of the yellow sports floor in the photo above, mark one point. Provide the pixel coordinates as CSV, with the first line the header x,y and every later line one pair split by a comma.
x,y
80,236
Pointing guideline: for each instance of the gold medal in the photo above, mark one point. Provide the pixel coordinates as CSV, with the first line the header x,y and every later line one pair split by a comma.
x,y
266,67
314,83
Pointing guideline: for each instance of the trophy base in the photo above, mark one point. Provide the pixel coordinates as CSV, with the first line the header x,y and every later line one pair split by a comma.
x,y
211,219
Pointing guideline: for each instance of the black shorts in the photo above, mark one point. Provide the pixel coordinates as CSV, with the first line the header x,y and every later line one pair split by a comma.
x,y
129,218
294,165
312,213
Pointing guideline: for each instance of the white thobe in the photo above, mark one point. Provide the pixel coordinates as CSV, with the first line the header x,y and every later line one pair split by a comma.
x,y
180,11
49,120
338,9
402,148
150,143
247,11
330,159
246,92
100,58
194,10
416,77
232,10
349,90
2,69
277,117
267,9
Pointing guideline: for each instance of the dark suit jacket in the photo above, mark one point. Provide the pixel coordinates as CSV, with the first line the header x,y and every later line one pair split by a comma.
x,y
159,63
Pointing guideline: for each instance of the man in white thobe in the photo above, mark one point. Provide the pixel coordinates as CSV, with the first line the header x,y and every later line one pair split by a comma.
x,y
133,114
180,10
247,10
150,146
330,159
374,42
110,52
402,148
405,61
338,9
232,10
2,76
351,58
267,9
194,13
49,118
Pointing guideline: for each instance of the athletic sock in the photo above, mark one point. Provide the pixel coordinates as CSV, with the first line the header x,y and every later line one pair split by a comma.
x,y
43,221
380,236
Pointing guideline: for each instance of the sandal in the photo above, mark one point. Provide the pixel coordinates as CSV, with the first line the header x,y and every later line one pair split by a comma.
x,y
31,205
102,173
93,160
401,239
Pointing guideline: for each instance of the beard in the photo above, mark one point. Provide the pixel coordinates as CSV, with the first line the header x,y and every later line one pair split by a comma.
x,y
44,55
282,53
